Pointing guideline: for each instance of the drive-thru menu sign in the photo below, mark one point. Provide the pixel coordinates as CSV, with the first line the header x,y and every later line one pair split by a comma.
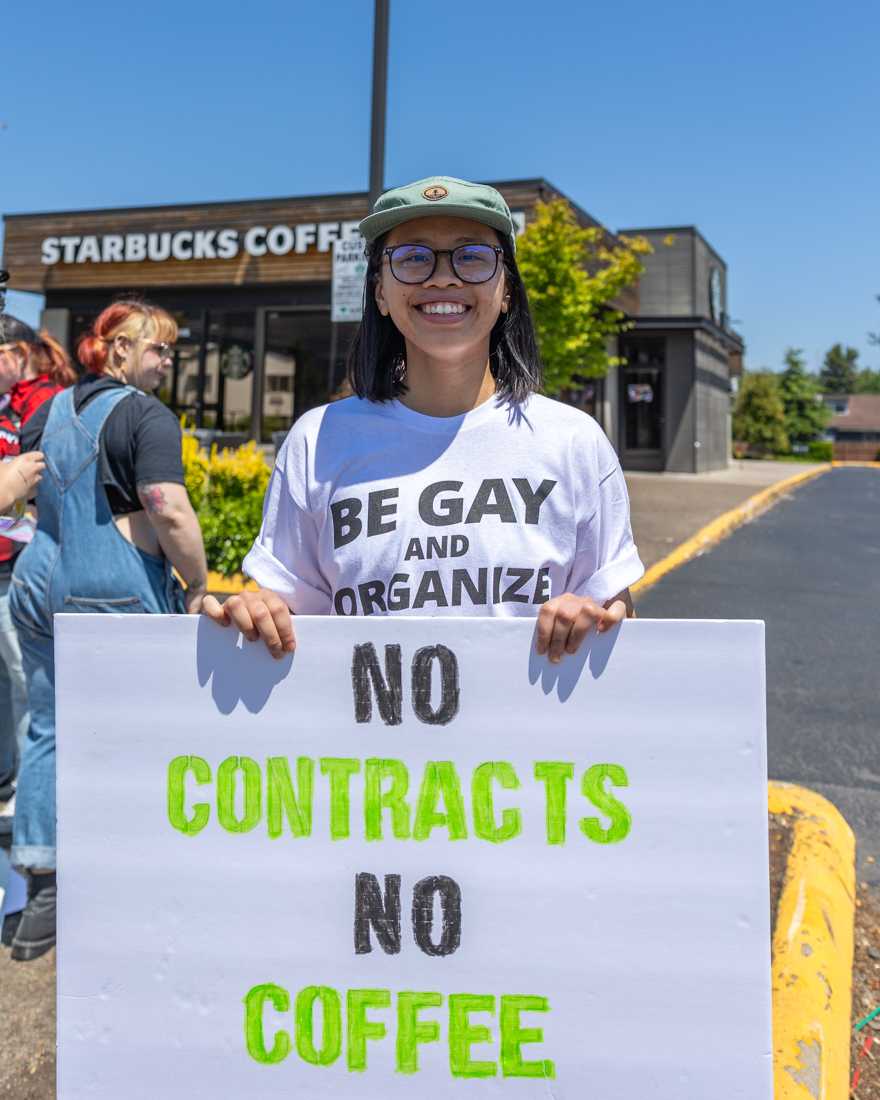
x,y
413,860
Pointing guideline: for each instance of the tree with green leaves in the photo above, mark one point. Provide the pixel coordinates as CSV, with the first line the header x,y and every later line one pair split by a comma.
x,y
867,380
572,275
806,415
759,414
839,370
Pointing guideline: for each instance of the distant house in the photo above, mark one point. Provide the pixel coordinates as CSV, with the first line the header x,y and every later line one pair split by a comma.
x,y
855,425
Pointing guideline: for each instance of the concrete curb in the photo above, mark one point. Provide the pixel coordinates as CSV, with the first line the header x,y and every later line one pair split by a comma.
x,y
813,950
721,527
217,583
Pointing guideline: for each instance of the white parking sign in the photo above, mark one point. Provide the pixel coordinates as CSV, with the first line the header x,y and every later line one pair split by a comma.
x,y
349,269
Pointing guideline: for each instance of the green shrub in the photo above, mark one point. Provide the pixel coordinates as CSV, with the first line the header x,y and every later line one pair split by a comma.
x,y
820,450
226,489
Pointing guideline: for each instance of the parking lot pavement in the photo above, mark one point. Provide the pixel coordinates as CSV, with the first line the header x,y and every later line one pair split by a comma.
x,y
666,509
809,567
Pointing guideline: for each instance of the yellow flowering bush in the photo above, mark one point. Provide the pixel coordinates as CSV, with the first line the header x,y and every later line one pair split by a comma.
x,y
226,488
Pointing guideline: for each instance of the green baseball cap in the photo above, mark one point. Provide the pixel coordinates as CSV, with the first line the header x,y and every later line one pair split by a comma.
x,y
443,195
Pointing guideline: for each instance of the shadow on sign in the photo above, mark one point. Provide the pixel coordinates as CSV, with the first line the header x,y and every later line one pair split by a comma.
x,y
594,651
240,671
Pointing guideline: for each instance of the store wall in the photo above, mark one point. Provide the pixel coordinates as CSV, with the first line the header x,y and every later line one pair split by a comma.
x,y
713,404
666,288
680,403
705,258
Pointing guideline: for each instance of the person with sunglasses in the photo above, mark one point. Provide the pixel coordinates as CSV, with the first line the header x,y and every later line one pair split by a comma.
x,y
113,519
447,485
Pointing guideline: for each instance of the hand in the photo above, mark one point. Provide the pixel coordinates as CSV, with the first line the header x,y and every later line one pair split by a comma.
x,y
24,473
564,622
261,614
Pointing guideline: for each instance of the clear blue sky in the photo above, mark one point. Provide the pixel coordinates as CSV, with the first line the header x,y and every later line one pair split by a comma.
x,y
757,122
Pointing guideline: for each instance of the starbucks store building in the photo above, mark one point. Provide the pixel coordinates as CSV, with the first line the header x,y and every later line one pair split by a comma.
x,y
250,284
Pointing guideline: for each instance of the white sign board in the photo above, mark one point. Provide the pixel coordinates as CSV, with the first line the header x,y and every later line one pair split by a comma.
x,y
413,860
349,269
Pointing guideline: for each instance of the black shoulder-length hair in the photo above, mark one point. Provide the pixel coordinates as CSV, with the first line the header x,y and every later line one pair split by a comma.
x,y
377,355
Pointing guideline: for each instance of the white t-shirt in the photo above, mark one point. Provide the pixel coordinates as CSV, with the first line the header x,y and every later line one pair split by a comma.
x,y
376,509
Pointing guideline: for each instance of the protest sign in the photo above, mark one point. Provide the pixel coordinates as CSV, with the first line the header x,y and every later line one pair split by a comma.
x,y
414,859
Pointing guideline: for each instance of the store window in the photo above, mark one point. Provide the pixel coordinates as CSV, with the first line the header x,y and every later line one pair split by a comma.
x,y
212,379
642,393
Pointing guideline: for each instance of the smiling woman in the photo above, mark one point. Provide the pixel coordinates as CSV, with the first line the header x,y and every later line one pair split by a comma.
x,y
445,430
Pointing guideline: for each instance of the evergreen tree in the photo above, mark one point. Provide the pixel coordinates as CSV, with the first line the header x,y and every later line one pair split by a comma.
x,y
572,275
839,370
805,413
759,414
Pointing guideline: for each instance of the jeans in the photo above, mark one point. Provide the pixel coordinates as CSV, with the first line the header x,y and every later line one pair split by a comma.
x,y
13,694
35,801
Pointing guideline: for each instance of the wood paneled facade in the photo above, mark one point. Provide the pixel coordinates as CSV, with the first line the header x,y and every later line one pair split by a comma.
x,y
250,285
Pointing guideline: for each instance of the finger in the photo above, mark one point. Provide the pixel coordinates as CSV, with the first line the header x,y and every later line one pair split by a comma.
x,y
283,622
212,607
562,625
611,616
265,623
544,629
240,617
586,617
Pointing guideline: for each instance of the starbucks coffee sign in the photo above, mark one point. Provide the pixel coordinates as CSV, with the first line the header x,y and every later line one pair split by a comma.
x,y
186,245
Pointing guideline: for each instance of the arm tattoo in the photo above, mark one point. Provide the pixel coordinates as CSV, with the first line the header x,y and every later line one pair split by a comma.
x,y
152,498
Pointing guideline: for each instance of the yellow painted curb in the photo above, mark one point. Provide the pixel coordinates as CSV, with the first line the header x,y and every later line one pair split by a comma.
x,y
857,465
236,583
813,950
721,527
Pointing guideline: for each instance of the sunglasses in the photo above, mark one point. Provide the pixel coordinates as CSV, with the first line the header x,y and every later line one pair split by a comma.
x,y
164,351
416,263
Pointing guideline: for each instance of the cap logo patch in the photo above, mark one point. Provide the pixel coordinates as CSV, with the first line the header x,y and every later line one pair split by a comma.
x,y
434,193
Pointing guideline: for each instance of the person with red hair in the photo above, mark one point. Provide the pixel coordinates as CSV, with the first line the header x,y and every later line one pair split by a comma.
x,y
33,368
114,521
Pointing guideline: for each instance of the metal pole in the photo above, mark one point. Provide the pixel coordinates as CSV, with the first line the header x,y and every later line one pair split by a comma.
x,y
331,365
380,85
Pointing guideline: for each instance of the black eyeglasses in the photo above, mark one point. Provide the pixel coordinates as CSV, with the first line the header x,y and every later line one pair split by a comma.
x,y
416,263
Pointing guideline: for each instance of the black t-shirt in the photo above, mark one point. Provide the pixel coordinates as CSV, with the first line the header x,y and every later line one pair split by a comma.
x,y
140,441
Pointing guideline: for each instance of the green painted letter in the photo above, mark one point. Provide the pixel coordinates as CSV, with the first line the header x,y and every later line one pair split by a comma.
x,y
253,1024
331,1011
253,790
593,786
484,805
410,1031
440,778
555,774
339,769
359,1028
201,811
513,1036
462,1034
281,797
394,799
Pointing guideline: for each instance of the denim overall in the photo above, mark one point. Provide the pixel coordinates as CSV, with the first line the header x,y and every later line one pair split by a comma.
x,y
78,561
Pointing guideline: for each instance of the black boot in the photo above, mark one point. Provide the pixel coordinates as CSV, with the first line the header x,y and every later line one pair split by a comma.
x,y
35,934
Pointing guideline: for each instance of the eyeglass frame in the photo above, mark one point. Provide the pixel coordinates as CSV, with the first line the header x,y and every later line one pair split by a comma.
x,y
156,345
437,253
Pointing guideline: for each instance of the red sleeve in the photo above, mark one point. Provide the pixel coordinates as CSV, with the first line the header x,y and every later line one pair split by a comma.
x,y
37,396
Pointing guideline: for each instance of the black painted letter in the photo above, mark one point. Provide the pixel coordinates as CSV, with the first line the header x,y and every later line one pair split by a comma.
x,y
421,685
369,909
389,688
423,914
